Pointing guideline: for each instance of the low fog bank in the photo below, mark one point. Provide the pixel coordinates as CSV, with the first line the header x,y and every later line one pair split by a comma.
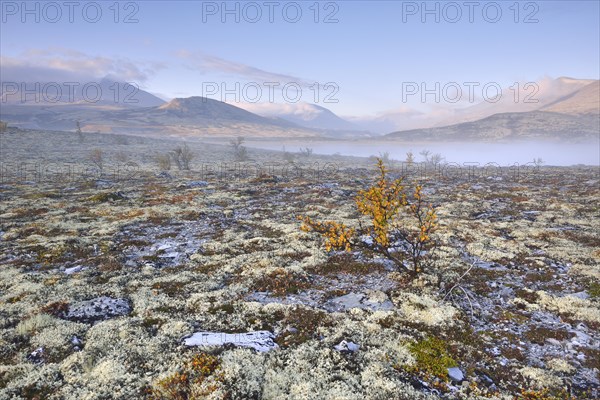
x,y
551,153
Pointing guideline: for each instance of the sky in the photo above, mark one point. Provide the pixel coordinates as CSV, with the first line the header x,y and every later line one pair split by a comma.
x,y
356,58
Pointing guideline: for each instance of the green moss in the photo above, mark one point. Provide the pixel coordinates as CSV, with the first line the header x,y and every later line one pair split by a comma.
x,y
432,357
593,289
222,308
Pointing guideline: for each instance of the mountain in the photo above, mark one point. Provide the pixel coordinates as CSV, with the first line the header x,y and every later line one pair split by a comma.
x,y
532,96
511,126
583,101
567,109
193,116
309,116
105,93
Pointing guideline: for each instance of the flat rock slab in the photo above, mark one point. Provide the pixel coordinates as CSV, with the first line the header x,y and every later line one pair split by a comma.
x,y
456,374
98,309
261,341
358,300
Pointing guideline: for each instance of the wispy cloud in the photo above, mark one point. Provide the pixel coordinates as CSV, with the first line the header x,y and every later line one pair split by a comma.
x,y
59,64
206,64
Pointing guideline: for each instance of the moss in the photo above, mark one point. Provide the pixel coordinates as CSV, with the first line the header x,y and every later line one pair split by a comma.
x,y
346,263
42,195
105,197
152,324
190,382
593,289
37,391
170,288
527,295
227,308
56,308
432,357
302,324
539,334
281,282
592,357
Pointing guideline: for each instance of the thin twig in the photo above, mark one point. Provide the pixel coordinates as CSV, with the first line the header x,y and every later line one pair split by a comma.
x,y
469,299
458,281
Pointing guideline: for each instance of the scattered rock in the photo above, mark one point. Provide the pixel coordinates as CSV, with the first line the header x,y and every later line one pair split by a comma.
x,y
37,356
193,184
164,175
347,347
101,184
72,270
98,309
359,300
553,342
455,374
261,341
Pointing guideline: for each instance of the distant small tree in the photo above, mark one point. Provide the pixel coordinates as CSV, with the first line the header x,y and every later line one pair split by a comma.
x,y
410,158
306,151
97,158
425,155
288,157
240,153
436,159
538,162
164,162
385,157
182,156
78,131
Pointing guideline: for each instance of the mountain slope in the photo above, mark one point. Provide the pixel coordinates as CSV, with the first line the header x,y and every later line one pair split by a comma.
x,y
194,116
102,93
309,116
584,101
511,126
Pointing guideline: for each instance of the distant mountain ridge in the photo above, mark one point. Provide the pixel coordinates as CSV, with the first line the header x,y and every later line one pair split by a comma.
x,y
573,116
583,101
309,116
511,126
104,92
570,110
193,116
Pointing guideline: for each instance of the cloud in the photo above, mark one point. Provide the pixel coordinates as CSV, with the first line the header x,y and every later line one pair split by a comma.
x,y
211,64
66,65
301,109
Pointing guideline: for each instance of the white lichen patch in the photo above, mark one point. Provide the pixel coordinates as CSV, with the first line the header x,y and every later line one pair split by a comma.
x,y
560,365
425,309
539,378
581,309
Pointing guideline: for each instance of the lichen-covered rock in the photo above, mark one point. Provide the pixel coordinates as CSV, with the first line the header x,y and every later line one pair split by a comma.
x,y
98,309
261,341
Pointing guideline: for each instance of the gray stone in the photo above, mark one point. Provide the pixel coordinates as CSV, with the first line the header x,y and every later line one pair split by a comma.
x,y
358,300
456,374
261,341
98,309
347,347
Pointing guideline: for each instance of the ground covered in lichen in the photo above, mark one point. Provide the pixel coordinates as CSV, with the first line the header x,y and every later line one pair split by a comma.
x,y
104,274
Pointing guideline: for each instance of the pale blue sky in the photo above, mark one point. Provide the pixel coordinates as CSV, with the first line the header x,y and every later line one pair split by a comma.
x,y
368,53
